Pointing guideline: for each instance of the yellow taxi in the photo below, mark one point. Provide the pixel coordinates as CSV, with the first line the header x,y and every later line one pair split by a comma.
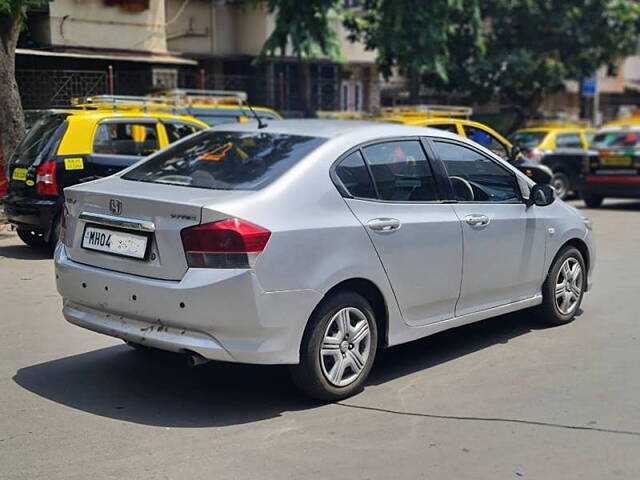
x,y
97,138
537,141
455,119
633,120
215,107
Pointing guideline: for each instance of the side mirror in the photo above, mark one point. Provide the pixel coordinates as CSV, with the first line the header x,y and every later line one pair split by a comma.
x,y
541,195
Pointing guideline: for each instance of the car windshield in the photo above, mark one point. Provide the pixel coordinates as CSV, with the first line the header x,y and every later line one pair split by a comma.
x,y
37,139
616,139
528,139
226,160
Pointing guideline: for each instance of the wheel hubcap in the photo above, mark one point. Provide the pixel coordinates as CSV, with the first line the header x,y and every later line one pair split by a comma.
x,y
559,184
568,286
345,347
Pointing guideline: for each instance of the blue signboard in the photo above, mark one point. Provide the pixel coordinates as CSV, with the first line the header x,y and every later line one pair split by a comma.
x,y
590,86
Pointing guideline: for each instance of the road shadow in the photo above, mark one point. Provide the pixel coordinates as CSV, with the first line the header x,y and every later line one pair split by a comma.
x,y
619,205
24,252
428,352
158,388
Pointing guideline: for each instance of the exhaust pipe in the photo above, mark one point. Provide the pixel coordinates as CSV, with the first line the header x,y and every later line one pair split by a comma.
x,y
194,359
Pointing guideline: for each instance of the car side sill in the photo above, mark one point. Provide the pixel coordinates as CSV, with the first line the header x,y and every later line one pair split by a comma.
x,y
414,333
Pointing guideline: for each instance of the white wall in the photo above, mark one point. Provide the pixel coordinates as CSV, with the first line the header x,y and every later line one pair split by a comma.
x,y
90,23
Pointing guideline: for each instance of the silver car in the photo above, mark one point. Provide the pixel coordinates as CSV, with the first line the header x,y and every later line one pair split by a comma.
x,y
315,243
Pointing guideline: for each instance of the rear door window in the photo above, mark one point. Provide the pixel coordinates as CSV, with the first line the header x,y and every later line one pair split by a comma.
x,y
354,175
221,160
568,140
616,139
177,130
401,171
528,140
126,138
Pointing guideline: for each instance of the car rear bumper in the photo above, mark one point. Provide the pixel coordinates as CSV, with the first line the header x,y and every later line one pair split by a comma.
x,y
31,213
221,314
621,186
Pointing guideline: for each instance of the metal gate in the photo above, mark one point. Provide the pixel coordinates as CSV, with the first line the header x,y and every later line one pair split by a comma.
x,y
55,88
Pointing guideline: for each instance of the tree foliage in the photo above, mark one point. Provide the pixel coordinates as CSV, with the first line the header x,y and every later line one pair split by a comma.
x,y
303,27
520,50
414,35
534,46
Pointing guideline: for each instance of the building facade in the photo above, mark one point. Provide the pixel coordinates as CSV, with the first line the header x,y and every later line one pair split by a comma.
x,y
75,48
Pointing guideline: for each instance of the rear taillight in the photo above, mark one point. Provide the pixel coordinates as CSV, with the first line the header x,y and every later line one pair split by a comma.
x,y
229,243
535,155
46,179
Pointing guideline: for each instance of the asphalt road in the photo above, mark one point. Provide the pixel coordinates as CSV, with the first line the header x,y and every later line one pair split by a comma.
x,y
502,399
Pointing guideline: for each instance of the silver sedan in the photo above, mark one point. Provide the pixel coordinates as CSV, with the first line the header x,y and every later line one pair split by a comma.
x,y
315,243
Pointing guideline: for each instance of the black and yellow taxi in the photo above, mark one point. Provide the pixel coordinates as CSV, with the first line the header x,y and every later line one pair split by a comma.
x,y
612,168
456,119
70,146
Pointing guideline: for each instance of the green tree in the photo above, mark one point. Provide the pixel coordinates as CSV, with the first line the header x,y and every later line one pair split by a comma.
x,y
416,37
12,19
533,47
305,29
517,50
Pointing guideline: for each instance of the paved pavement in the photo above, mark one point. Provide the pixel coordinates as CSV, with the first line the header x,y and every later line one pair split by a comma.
x,y
502,399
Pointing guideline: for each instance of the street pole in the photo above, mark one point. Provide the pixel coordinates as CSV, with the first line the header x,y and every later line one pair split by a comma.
x,y
596,107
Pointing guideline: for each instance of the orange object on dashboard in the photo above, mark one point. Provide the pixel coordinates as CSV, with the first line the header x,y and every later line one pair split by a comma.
x,y
216,154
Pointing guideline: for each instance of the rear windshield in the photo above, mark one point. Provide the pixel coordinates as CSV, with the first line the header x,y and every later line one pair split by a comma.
x,y
226,160
528,139
620,139
37,139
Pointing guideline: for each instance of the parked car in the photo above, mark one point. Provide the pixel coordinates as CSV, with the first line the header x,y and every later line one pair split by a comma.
x,y
537,141
613,170
455,119
313,243
215,107
71,146
561,147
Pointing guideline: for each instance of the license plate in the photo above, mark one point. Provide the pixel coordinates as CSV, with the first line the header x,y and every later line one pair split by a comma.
x,y
115,242
19,174
616,161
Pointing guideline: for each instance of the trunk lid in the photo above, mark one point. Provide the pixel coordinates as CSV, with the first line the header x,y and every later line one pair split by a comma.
x,y
115,204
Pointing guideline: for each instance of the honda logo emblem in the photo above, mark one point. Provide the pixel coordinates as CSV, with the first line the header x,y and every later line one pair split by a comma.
x,y
115,206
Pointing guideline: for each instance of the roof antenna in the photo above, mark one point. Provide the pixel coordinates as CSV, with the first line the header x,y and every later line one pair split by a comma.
x,y
260,122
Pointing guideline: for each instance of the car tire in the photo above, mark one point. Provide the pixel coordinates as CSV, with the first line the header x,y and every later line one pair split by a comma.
x,y
561,183
564,287
592,201
339,371
32,238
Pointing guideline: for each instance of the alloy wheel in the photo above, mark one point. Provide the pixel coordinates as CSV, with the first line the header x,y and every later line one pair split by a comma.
x,y
560,183
345,347
568,288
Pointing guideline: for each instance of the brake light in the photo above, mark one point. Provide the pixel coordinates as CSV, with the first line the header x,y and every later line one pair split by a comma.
x,y
229,243
46,183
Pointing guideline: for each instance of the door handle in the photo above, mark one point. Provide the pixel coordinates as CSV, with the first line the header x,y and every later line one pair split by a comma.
x,y
384,224
477,220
